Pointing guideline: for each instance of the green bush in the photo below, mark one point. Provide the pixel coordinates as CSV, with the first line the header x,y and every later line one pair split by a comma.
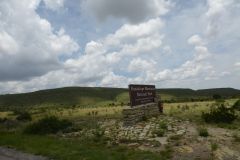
x,y
24,116
159,132
220,114
2,120
237,105
48,125
203,132
163,125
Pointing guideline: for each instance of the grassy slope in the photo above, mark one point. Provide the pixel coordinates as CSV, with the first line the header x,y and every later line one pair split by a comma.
x,y
61,97
86,96
63,149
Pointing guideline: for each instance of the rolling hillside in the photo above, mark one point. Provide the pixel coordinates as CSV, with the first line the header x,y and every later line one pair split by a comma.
x,y
87,96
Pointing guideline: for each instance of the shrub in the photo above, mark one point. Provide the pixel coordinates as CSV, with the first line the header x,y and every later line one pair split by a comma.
x,y
47,125
98,132
203,132
159,132
163,125
2,120
220,114
236,105
214,146
24,116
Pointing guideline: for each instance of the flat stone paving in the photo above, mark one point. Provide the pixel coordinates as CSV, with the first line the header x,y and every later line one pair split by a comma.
x,y
12,154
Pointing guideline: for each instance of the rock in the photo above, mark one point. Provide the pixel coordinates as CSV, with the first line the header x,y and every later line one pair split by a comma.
x,y
106,132
133,145
180,132
185,149
161,140
201,139
169,128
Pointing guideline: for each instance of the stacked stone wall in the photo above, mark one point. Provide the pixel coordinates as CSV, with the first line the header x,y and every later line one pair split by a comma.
x,y
138,113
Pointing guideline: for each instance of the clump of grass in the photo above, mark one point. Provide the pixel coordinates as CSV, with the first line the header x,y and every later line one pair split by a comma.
x,y
163,125
159,132
214,147
203,132
47,125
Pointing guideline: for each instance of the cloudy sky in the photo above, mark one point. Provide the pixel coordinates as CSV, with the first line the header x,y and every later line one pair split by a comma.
x,y
111,43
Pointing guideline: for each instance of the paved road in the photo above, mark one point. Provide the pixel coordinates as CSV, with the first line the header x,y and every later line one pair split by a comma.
x,y
12,154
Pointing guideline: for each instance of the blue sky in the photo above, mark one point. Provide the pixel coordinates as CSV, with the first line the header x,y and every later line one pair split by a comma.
x,y
110,43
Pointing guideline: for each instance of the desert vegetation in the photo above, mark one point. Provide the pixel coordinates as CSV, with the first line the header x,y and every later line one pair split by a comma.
x,y
91,127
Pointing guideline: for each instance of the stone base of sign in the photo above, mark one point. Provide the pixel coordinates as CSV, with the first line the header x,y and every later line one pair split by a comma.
x,y
138,113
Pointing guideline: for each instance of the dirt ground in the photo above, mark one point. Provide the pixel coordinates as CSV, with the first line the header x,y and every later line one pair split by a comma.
x,y
12,154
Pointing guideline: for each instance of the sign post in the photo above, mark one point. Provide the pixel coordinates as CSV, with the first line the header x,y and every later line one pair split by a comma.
x,y
141,94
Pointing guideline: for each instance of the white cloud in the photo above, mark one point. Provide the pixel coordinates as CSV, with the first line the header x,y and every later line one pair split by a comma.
x,y
237,64
7,44
94,48
216,11
28,45
197,67
195,40
113,80
137,52
54,4
202,53
141,65
135,10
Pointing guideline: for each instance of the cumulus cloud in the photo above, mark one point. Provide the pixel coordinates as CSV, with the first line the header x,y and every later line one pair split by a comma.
x,y
8,44
195,40
29,45
135,10
54,4
196,67
237,64
137,52
141,65
113,80
102,60
217,9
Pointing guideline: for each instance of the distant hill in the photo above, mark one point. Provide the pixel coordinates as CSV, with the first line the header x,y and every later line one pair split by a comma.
x,y
97,96
180,94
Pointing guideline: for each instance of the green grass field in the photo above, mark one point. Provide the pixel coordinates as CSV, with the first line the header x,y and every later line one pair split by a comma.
x,y
72,149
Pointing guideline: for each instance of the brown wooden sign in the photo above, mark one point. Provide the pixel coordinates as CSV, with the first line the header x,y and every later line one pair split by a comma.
x,y
141,94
